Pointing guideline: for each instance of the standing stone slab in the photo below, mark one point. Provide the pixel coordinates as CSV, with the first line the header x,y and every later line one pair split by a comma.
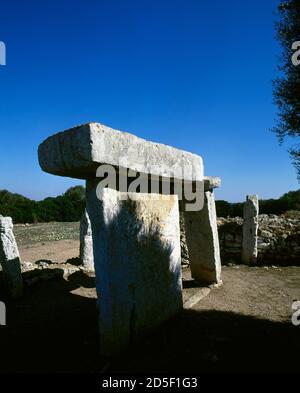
x,y
203,242
86,243
137,262
10,259
250,229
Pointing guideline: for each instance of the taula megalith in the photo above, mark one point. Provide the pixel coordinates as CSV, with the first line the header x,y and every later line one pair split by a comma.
x,y
10,259
135,223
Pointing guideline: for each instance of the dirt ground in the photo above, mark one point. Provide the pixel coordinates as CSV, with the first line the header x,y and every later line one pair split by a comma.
x,y
244,325
56,241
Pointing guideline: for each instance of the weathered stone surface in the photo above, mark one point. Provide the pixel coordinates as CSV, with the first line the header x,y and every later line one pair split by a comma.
x,y
211,182
10,259
250,228
206,229
78,152
185,259
278,239
86,243
203,242
230,232
137,262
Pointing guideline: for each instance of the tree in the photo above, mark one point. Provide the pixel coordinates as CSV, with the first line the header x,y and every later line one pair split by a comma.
x,y
287,86
66,207
73,203
76,193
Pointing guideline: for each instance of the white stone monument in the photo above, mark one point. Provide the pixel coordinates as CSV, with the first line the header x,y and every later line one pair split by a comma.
x,y
10,259
136,239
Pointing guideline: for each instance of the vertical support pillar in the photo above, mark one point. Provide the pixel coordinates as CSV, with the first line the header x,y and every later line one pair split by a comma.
x,y
10,259
250,229
203,241
136,246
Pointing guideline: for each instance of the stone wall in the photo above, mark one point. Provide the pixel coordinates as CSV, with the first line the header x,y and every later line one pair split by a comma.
x,y
278,239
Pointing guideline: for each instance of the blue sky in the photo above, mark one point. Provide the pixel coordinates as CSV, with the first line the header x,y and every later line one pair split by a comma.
x,y
195,74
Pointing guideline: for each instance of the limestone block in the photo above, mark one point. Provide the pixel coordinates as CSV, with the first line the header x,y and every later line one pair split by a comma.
x,y
250,229
86,243
78,152
211,182
10,259
137,263
203,242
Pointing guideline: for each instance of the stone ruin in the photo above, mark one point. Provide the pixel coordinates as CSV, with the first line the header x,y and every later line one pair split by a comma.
x,y
136,235
250,228
10,260
278,239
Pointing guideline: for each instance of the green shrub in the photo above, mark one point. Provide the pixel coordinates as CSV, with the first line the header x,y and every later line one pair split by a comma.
x,y
66,207
288,201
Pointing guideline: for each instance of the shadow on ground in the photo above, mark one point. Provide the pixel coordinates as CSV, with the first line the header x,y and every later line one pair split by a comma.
x,y
186,284
53,330
215,341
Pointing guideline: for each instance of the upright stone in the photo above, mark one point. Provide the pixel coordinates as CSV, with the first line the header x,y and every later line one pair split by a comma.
x,y
86,243
10,259
137,262
202,238
250,229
